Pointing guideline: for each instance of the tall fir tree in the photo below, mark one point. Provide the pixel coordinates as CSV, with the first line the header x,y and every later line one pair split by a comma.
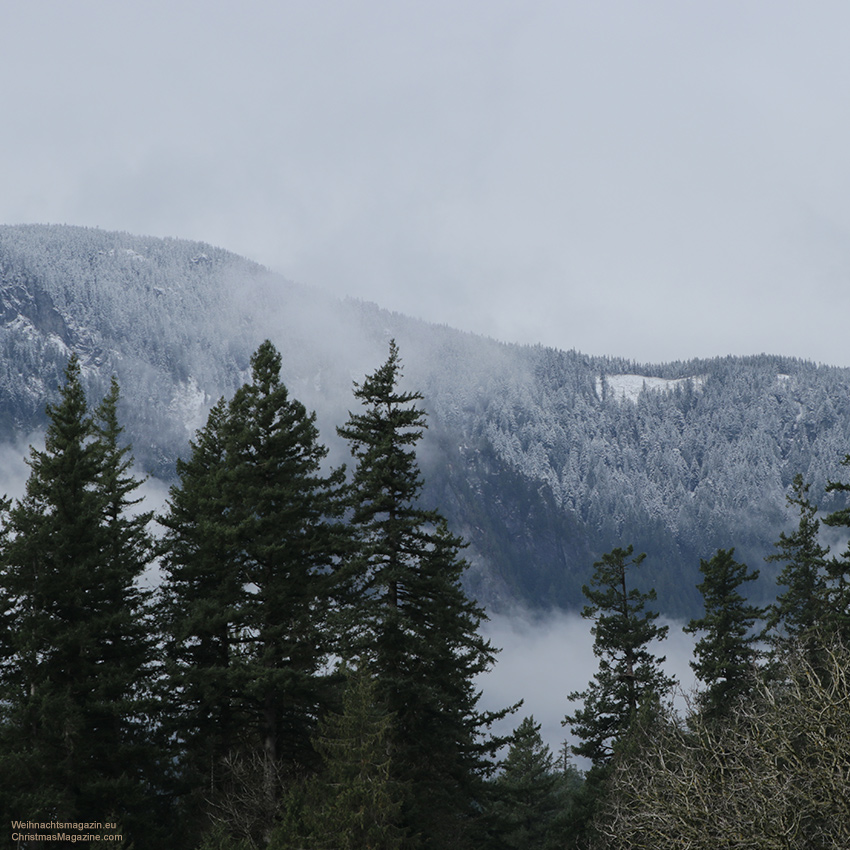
x,y
202,601
838,568
629,684
629,674
414,627
250,550
74,682
529,793
288,542
799,611
353,802
727,652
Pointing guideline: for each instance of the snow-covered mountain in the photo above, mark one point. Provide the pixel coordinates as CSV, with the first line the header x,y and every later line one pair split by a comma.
x,y
542,459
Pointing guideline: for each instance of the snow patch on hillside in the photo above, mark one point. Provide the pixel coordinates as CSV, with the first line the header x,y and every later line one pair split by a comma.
x,y
629,387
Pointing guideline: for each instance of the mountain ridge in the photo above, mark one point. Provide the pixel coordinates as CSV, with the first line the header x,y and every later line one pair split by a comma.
x,y
532,452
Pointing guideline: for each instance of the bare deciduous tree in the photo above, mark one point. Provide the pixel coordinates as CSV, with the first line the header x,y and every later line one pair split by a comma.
x,y
775,776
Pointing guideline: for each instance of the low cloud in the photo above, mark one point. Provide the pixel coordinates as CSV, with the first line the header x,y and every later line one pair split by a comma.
x,y
545,657
14,471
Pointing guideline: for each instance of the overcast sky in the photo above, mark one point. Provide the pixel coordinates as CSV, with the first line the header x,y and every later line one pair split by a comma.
x,y
658,180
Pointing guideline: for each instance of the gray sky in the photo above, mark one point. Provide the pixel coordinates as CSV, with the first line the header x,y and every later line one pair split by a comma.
x,y
658,180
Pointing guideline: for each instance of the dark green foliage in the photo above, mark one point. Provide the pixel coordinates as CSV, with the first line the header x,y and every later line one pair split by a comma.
x,y
629,674
249,554
354,802
727,652
840,517
800,609
532,797
286,545
838,569
414,627
836,616
202,607
629,679
77,721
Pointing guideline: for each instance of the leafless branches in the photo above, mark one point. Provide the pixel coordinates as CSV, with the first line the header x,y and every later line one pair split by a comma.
x,y
775,776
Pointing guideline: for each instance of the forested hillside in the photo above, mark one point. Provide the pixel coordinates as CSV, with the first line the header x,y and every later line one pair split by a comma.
x,y
679,472
542,459
305,673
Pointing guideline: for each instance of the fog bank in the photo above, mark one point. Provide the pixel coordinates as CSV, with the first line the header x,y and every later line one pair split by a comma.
x,y
546,656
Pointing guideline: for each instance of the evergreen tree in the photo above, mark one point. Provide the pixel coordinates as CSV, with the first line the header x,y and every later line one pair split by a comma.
x,y
629,674
629,684
799,611
529,793
727,652
77,654
287,543
249,558
354,802
838,569
202,605
414,627
841,517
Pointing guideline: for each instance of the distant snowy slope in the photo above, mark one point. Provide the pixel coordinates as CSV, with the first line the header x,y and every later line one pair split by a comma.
x,y
629,387
542,459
